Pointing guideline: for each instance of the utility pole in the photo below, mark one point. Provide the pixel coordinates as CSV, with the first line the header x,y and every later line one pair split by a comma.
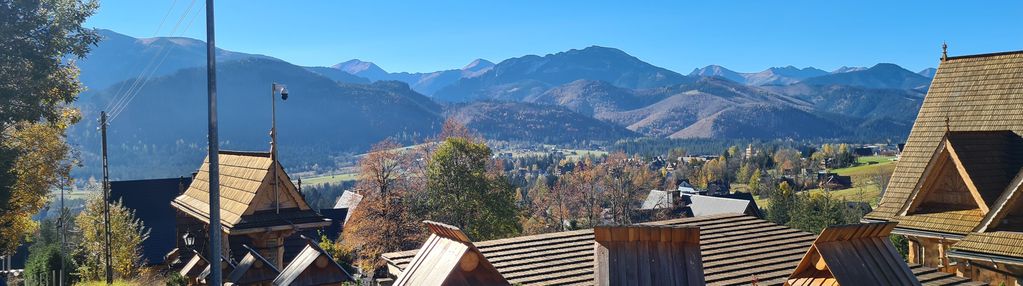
x,y
106,198
216,277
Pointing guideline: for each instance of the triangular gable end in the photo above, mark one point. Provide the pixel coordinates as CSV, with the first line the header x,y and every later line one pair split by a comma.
x,y
449,258
312,266
859,254
944,185
265,198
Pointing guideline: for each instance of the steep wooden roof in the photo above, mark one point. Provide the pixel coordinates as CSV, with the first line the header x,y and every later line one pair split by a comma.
x,y
244,177
970,93
449,258
859,254
734,248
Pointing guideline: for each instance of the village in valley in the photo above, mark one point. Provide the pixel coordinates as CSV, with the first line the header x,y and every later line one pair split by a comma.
x,y
172,160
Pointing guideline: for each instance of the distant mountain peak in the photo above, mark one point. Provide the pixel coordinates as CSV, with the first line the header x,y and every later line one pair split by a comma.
x,y
928,72
478,64
355,66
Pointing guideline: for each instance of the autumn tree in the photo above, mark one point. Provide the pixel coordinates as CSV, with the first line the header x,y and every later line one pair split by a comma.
x,y
625,180
585,186
127,233
38,82
463,192
383,221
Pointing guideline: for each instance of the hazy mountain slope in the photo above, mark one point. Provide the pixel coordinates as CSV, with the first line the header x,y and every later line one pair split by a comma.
x,y
321,118
895,104
847,69
518,78
686,104
594,98
118,57
879,76
519,121
764,121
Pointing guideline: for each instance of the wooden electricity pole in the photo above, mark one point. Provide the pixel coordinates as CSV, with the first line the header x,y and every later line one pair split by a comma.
x,y
106,199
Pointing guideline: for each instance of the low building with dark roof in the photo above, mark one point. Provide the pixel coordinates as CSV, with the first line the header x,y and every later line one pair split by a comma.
x,y
150,200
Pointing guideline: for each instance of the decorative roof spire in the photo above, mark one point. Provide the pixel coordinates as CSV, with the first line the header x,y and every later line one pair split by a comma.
x,y
948,125
944,51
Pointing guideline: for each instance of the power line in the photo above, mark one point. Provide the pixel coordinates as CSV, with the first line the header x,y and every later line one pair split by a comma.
x,y
157,33
149,76
147,72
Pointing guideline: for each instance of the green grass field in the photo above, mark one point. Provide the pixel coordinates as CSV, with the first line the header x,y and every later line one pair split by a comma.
x,y
864,177
334,179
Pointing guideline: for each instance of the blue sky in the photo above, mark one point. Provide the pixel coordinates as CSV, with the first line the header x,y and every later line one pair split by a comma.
x,y
419,36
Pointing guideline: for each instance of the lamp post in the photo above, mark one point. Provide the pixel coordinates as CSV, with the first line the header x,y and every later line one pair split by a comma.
x,y
189,239
283,90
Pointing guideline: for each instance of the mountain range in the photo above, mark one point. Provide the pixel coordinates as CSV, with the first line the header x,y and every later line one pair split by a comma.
x,y
580,96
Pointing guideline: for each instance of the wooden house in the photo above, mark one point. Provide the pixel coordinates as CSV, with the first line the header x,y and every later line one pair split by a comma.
x,y
312,266
735,249
955,189
449,258
859,254
252,210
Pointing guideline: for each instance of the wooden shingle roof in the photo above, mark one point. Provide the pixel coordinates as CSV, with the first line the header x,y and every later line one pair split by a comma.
x,y
1001,243
243,175
971,93
859,254
734,248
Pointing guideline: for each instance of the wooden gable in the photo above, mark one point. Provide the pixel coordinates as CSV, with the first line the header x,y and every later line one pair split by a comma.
x,y
647,255
944,186
312,266
253,269
449,258
859,254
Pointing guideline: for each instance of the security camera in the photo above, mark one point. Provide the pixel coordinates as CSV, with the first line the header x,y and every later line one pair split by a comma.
x,y
284,93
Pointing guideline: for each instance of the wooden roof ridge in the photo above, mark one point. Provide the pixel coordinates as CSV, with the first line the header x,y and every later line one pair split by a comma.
x,y
856,254
447,231
984,55
449,258
648,255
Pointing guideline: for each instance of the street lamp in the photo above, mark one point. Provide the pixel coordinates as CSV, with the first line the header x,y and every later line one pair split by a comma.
x,y
189,239
283,90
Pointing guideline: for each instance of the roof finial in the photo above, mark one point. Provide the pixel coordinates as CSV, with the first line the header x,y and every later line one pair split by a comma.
x,y
944,51
948,125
